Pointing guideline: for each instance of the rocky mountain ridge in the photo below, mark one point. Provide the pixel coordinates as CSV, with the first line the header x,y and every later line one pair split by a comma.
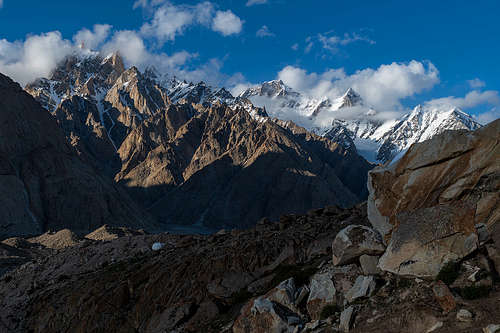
x,y
191,154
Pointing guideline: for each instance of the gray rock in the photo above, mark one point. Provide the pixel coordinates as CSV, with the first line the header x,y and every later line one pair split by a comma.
x,y
434,327
482,233
369,264
292,320
284,294
302,293
425,241
312,325
355,241
464,315
157,246
492,328
346,318
494,255
363,287
322,292
264,315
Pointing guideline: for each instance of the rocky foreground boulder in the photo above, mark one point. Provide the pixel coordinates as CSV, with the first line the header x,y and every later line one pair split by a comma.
x,y
432,205
44,185
194,283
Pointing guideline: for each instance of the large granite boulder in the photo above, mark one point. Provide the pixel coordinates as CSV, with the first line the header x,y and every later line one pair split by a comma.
x,y
427,204
322,293
355,241
262,315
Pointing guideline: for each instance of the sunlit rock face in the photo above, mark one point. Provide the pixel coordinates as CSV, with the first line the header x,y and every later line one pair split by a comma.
x,y
429,203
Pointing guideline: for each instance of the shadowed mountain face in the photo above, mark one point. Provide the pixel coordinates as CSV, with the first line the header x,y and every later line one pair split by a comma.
x,y
44,185
192,154
221,167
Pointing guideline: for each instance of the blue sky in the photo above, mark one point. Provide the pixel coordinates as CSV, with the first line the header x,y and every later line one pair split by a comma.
x,y
456,42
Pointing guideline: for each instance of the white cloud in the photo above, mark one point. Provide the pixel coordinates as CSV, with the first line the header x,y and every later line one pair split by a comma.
x,y
308,47
295,46
332,43
134,52
240,87
148,4
39,55
256,2
170,20
264,32
1,3
36,57
476,83
489,116
130,45
227,23
383,88
92,39
470,100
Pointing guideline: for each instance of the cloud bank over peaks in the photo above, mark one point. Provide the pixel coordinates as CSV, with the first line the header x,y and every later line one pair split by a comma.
x,y
470,100
382,88
86,38
489,116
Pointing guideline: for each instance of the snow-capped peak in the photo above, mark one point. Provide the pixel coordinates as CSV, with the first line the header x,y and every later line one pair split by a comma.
x,y
270,89
422,123
350,99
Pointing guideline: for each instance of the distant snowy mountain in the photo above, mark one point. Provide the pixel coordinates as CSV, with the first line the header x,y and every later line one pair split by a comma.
x,y
349,121
280,98
421,124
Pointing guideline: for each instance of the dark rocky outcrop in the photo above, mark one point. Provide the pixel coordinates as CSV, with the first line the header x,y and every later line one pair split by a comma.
x,y
44,185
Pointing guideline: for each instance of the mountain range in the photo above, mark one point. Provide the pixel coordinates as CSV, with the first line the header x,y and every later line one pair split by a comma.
x,y
191,154
349,121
